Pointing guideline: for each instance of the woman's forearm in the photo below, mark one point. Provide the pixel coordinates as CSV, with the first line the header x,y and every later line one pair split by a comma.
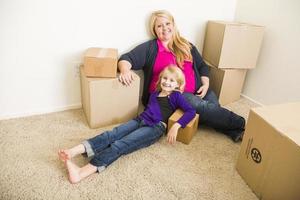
x,y
205,80
124,66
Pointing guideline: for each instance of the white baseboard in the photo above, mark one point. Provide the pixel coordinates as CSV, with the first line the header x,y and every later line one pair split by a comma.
x,y
75,106
41,112
250,99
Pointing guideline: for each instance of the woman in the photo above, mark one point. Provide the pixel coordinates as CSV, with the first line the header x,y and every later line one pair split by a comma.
x,y
168,47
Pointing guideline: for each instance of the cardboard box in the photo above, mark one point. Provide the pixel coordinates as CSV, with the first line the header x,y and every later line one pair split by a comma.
x,y
100,62
186,134
232,44
269,159
106,101
227,83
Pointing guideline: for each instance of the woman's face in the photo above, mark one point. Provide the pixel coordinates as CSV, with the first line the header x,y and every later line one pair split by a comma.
x,y
164,29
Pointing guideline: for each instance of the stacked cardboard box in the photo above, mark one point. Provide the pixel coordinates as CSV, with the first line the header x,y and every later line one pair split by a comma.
x,y
186,134
269,159
230,49
100,62
105,100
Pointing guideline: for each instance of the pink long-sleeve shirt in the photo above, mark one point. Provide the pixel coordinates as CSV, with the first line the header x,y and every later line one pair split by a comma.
x,y
165,58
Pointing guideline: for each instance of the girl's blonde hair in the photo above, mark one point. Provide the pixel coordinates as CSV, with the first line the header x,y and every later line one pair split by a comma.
x,y
179,46
173,70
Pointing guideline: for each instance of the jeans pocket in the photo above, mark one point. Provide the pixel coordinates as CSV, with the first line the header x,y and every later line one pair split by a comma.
x,y
160,128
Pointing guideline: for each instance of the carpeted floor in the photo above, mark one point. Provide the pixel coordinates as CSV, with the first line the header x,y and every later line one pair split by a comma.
x,y
30,168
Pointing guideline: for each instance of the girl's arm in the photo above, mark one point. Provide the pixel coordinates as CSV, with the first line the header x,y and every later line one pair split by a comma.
x,y
172,134
189,114
189,111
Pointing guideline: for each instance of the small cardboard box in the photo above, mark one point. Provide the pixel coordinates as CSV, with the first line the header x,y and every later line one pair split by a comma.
x,y
106,101
232,44
269,159
186,134
227,83
100,62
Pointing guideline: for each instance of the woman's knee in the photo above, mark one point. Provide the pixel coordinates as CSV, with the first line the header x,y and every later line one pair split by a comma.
x,y
211,97
196,102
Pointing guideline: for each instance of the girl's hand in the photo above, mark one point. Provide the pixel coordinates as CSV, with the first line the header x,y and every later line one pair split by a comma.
x,y
202,91
126,77
172,134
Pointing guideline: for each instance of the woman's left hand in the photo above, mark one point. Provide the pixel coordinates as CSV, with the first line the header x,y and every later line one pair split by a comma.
x,y
202,91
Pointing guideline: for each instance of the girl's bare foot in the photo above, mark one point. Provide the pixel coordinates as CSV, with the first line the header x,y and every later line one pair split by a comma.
x,y
64,154
67,154
74,171
76,174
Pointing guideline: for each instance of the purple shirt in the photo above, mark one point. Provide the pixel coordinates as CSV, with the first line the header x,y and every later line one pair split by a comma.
x,y
152,114
165,58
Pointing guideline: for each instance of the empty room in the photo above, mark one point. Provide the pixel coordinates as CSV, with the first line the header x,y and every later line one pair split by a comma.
x,y
150,99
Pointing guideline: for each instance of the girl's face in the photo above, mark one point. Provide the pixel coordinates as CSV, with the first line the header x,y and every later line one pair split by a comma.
x,y
164,29
168,82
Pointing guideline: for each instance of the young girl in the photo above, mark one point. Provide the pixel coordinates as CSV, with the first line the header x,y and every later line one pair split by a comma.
x,y
140,132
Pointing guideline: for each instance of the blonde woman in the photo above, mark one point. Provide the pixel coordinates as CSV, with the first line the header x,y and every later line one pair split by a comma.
x,y
141,132
168,47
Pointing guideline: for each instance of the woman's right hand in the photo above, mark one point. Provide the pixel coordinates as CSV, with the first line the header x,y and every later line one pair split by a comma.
x,y
126,77
126,74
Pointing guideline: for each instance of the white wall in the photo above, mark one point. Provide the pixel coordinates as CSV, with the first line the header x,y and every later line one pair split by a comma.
x,y
277,76
42,41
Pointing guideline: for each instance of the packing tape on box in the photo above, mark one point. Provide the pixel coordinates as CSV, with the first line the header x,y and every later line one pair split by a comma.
x,y
102,52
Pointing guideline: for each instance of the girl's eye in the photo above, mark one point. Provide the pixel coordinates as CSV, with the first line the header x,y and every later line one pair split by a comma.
x,y
158,26
168,23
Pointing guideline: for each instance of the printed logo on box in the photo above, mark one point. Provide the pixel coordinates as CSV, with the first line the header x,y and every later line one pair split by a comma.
x,y
256,155
254,152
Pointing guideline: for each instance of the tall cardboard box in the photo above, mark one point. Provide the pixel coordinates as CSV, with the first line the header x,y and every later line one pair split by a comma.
x,y
186,134
106,101
232,44
227,83
269,159
100,62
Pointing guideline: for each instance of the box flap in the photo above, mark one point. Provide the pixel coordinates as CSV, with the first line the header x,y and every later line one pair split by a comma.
x,y
235,23
285,118
101,52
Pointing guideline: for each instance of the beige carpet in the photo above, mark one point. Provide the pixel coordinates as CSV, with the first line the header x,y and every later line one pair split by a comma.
x,y
30,169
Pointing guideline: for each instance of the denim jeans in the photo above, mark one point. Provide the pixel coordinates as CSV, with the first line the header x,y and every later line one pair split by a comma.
x,y
213,115
108,146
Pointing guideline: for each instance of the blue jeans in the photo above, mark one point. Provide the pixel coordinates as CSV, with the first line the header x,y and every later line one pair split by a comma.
x,y
108,146
213,115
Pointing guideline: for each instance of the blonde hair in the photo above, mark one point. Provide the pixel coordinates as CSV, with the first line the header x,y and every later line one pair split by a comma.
x,y
178,45
173,70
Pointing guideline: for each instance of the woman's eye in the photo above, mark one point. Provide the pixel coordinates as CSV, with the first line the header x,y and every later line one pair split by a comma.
x,y
158,26
168,23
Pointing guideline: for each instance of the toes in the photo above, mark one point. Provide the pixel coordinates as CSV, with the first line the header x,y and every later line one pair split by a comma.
x,y
62,155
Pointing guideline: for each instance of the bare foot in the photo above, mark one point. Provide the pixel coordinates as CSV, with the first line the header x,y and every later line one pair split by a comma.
x,y
64,155
67,154
74,172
